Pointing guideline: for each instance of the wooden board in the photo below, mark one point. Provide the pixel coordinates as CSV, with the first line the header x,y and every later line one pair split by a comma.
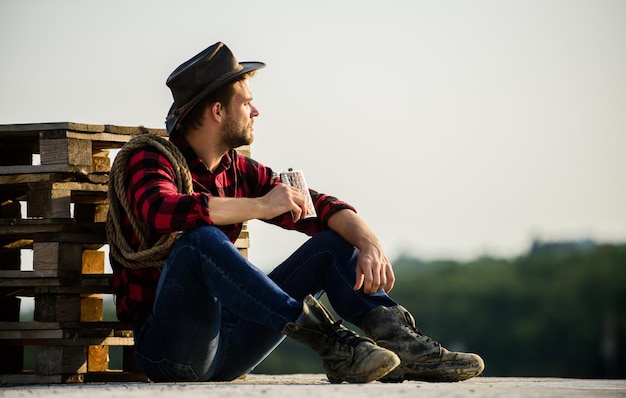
x,y
30,378
31,283
66,333
25,180
22,129
49,168
52,230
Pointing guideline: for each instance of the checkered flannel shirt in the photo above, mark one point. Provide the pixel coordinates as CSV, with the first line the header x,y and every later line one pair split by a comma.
x,y
154,198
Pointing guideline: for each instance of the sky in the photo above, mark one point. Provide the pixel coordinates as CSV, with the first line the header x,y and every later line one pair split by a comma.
x,y
456,128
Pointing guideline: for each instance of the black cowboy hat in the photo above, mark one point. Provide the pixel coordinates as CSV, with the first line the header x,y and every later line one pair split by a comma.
x,y
200,76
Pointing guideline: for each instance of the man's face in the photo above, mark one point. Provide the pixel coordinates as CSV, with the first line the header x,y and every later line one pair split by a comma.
x,y
238,127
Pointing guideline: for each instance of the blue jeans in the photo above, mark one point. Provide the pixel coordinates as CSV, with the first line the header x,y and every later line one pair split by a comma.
x,y
216,316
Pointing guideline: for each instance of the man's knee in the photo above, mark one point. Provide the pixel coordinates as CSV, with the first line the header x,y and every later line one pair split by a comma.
x,y
203,235
342,248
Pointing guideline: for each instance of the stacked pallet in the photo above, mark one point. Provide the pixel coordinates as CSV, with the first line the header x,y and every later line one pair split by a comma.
x,y
64,192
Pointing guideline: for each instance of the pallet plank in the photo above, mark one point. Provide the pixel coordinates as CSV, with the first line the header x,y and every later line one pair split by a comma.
x,y
57,360
47,168
32,378
35,128
57,256
28,180
57,307
66,151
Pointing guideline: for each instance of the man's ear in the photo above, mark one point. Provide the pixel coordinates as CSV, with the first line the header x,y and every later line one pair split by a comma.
x,y
215,111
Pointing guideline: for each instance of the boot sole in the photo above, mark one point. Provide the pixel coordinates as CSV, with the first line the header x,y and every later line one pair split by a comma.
x,y
454,371
384,369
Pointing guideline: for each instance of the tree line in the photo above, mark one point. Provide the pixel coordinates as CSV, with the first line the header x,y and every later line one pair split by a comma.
x,y
558,310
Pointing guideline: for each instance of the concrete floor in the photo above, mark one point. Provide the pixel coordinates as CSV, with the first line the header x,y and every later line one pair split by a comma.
x,y
316,385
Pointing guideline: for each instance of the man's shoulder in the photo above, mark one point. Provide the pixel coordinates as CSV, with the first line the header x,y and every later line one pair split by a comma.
x,y
148,152
144,158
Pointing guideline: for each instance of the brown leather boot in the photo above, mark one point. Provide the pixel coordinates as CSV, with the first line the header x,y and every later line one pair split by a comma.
x,y
345,355
422,358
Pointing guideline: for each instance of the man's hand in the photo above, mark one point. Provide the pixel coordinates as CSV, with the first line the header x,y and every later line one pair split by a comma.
x,y
284,198
373,270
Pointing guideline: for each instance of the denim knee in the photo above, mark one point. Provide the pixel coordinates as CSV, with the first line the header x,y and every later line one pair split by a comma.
x,y
203,235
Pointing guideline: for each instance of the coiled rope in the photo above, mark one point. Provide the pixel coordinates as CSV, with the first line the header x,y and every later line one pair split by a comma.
x,y
146,255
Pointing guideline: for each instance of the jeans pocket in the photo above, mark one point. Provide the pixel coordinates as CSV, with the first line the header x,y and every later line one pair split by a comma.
x,y
165,370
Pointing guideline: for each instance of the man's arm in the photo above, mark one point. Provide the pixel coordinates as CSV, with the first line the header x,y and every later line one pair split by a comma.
x,y
281,199
373,271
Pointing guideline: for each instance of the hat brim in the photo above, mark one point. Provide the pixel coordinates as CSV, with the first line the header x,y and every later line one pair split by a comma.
x,y
173,119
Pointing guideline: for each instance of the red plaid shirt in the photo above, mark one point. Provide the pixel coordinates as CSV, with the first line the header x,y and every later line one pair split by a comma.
x,y
154,198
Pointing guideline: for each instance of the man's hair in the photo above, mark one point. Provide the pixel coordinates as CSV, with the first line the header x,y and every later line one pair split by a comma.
x,y
223,95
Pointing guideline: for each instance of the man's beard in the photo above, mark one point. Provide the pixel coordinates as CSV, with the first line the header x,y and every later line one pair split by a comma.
x,y
236,134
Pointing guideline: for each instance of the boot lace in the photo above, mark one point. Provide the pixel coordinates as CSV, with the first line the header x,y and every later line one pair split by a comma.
x,y
411,325
340,333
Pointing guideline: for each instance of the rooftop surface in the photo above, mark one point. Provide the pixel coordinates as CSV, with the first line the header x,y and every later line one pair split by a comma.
x,y
316,385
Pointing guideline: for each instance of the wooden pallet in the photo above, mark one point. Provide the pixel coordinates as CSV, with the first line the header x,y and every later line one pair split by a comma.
x,y
63,147
60,172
